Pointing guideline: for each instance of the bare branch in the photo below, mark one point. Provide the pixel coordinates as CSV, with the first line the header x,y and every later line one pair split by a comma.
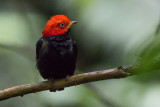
x,y
21,90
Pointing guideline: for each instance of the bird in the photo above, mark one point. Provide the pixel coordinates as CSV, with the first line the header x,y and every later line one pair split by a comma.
x,y
56,51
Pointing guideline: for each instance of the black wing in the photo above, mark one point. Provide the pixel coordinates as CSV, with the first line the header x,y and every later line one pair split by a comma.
x,y
38,47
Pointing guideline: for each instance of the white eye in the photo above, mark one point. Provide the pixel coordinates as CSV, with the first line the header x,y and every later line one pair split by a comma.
x,y
61,24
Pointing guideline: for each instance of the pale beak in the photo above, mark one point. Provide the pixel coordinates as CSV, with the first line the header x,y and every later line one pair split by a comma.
x,y
72,22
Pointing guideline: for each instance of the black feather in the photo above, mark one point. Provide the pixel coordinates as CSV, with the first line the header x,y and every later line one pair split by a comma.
x,y
56,56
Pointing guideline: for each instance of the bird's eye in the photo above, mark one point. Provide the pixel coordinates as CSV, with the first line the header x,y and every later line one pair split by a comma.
x,y
61,24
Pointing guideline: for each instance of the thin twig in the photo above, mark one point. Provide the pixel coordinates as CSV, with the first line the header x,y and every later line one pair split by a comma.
x,y
21,90
100,96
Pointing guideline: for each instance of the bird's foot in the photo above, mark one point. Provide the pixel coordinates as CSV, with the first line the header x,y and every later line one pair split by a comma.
x,y
52,86
60,89
75,84
67,78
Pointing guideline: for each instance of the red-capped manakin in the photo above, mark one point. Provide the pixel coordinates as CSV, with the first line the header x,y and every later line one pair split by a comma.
x,y
56,52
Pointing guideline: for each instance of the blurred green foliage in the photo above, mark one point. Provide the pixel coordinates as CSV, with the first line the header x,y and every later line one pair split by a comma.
x,y
110,33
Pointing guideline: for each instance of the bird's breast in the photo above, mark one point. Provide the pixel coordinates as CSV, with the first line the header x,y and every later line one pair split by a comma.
x,y
61,48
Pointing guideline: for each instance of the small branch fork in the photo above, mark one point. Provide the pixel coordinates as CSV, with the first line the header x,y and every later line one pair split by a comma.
x,y
115,73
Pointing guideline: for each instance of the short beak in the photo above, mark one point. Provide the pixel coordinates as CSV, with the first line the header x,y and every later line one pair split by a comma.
x,y
72,22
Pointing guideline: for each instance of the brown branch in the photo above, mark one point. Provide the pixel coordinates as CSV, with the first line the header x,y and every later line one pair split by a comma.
x,y
21,90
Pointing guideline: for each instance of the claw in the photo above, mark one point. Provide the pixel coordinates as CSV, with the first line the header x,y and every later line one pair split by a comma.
x,y
60,89
75,84
52,88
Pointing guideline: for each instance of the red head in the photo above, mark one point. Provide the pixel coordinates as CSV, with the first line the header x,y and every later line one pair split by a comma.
x,y
57,25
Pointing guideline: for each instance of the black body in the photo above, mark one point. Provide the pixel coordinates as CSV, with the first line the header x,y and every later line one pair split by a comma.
x,y
56,56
